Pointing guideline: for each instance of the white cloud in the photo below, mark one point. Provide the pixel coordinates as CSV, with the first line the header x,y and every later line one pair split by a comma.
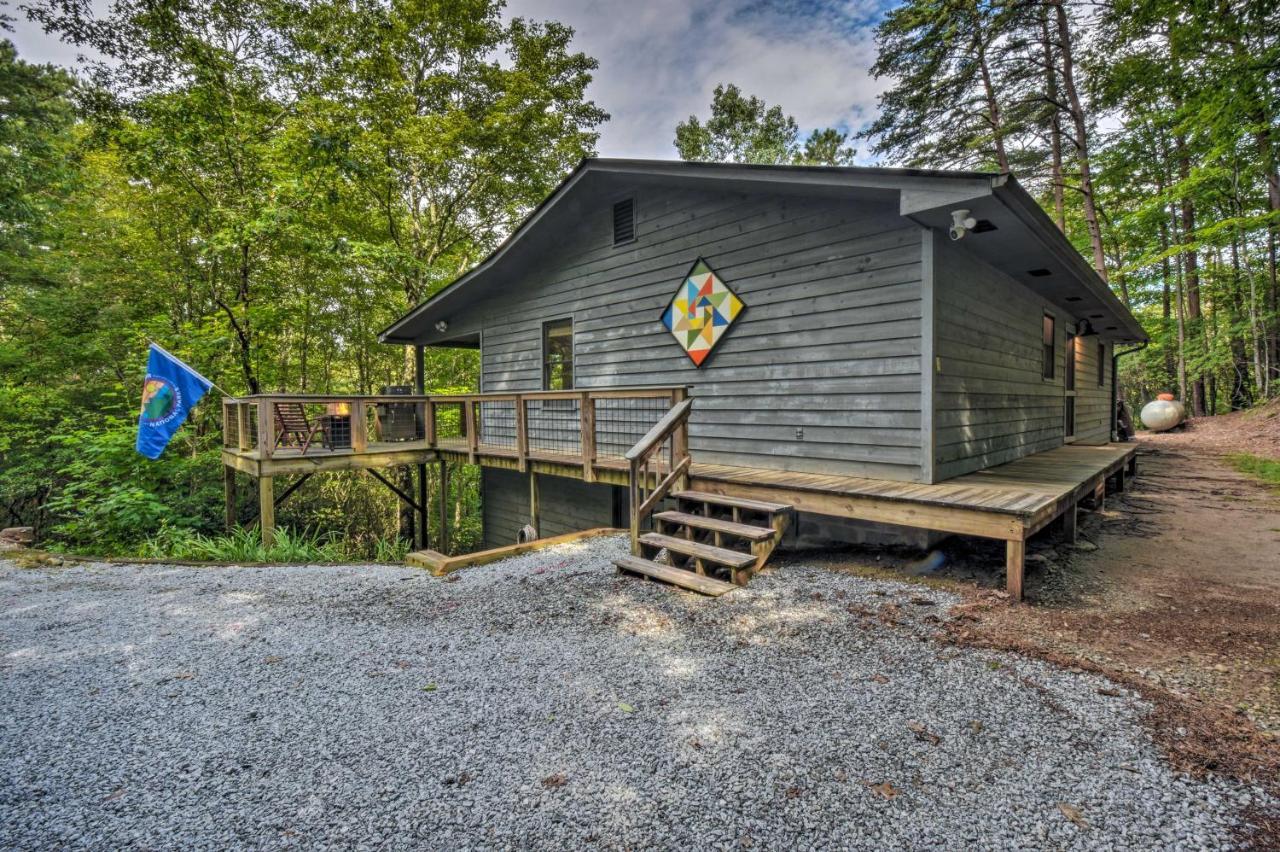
x,y
660,60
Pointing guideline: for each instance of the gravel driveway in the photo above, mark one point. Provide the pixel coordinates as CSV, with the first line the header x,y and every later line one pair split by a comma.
x,y
545,702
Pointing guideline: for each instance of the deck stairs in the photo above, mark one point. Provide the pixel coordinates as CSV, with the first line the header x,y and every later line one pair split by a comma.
x,y
709,543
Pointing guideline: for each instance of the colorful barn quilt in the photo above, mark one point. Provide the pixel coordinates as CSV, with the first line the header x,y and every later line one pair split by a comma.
x,y
701,312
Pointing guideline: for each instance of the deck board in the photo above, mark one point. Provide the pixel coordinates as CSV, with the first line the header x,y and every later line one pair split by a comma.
x,y
1022,488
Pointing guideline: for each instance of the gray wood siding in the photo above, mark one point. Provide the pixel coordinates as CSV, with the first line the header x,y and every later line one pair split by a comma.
x,y
829,343
991,403
1093,401
567,505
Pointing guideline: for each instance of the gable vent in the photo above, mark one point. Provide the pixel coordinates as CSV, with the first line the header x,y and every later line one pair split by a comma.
x,y
624,221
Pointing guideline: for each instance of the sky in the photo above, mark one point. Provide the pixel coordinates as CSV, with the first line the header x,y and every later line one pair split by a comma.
x,y
661,59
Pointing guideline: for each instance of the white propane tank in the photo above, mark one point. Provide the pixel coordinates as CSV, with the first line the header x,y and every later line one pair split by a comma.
x,y
1161,414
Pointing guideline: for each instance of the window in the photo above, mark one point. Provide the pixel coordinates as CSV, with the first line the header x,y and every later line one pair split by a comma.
x,y
1102,364
557,355
624,221
1050,336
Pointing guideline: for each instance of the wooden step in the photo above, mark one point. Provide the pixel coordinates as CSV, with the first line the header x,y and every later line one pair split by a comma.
x,y
706,552
698,522
731,502
674,576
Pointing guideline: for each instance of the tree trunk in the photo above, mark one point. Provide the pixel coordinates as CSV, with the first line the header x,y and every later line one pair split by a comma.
x,y
993,108
1191,269
1081,140
1055,123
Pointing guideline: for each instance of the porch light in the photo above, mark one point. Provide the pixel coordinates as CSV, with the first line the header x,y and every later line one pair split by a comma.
x,y
442,326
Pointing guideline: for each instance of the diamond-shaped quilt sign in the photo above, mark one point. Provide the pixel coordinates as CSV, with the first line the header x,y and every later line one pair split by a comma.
x,y
701,311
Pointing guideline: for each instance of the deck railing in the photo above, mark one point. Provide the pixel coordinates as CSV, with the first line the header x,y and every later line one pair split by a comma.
x,y
574,427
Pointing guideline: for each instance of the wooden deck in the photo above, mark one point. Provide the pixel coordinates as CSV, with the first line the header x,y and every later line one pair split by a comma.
x,y
1010,502
589,439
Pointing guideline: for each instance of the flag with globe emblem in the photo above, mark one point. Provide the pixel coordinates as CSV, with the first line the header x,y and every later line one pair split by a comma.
x,y
170,391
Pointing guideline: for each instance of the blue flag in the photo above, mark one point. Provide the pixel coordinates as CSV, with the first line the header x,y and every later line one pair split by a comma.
x,y
171,390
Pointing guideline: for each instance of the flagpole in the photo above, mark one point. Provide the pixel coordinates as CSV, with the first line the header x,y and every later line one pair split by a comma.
x,y
192,369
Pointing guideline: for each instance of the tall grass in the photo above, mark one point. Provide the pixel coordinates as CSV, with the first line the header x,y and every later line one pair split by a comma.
x,y
243,545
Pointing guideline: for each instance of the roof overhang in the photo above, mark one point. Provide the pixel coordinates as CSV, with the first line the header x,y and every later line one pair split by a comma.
x,y
1024,238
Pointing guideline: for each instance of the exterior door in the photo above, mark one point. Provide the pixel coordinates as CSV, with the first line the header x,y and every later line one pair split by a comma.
x,y
1069,389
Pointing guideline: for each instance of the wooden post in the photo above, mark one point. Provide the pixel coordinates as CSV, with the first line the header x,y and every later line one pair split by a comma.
x,y
359,426
633,488
444,506
266,428
267,510
473,434
424,537
1069,523
1133,465
1100,495
587,429
1120,480
229,494
1014,562
522,433
535,503
431,423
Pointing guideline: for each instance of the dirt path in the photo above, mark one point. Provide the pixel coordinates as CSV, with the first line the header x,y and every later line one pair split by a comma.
x,y
1173,588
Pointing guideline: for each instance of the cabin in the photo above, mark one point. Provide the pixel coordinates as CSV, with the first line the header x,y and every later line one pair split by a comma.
x,y
726,358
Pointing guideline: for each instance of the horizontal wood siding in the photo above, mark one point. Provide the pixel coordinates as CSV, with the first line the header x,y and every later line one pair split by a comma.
x,y
991,403
1093,401
829,342
567,505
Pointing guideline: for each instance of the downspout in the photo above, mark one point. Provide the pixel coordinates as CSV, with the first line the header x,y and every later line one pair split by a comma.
x,y
1115,384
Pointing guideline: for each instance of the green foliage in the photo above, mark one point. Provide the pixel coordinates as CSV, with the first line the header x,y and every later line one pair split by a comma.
x,y
261,186
109,495
744,129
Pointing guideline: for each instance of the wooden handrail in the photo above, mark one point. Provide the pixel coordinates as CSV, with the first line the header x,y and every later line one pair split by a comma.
x,y
674,425
660,430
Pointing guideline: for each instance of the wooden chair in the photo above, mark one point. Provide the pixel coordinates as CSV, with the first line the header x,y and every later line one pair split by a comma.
x,y
293,427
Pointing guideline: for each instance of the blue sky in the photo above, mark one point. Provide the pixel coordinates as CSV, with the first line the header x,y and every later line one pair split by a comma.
x,y
660,60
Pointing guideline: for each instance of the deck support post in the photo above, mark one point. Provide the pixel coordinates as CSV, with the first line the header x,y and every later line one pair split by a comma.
x,y
535,504
424,537
1100,496
1069,518
444,506
1133,464
1120,481
229,495
1014,563
267,510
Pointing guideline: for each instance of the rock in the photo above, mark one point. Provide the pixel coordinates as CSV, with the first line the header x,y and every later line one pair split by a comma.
x,y
1085,546
15,537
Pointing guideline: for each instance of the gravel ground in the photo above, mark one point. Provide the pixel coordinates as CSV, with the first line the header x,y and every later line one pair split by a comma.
x,y
545,702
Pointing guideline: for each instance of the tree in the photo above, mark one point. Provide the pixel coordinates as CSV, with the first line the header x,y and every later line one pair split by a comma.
x,y
744,129
826,147
741,129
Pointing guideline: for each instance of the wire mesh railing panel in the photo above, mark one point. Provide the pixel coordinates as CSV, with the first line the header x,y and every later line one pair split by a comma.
x,y
449,422
554,425
230,426
496,421
620,423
